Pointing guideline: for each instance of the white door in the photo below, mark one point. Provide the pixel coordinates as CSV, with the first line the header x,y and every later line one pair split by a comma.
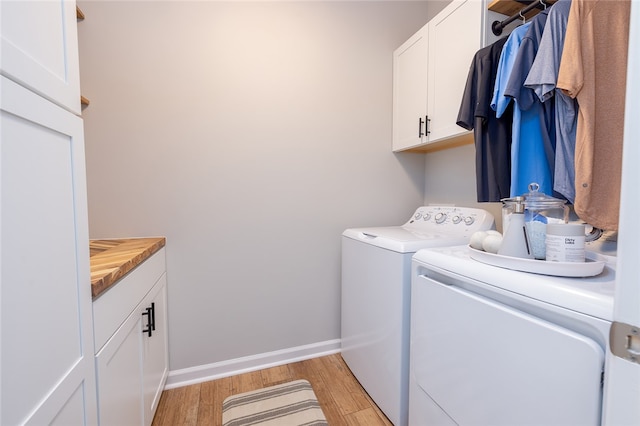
x,y
622,405
48,374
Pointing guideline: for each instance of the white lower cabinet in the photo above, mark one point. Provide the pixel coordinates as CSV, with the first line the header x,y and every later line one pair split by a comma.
x,y
155,353
131,345
119,371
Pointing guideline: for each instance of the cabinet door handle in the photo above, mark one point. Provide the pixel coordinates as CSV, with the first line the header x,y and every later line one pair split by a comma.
x,y
420,134
150,320
427,120
153,316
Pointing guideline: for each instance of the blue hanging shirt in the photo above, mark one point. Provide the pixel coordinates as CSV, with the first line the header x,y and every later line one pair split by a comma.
x,y
536,148
529,152
542,79
500,102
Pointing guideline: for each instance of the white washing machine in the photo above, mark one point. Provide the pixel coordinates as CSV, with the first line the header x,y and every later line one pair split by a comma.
x,y
497,346
376,287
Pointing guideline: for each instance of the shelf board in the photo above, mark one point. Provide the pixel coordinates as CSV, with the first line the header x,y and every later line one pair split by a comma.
x,y
84,101
461,140
512,7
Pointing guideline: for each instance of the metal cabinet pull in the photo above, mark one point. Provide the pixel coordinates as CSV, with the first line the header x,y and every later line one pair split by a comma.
x,y
153,316
150,313
420,134
427,120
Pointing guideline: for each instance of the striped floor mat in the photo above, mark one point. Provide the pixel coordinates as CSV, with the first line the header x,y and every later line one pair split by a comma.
x,y
288,404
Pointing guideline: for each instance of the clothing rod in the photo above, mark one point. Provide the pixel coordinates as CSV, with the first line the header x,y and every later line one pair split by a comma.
x,y
498,26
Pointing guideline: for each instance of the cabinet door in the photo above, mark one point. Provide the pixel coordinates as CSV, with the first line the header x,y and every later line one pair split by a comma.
x,y
48,374
39,48
155,351
455,36
410,91
119,371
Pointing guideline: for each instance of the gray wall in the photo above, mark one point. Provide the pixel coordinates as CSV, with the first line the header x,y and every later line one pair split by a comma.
x,y
250,134
450,177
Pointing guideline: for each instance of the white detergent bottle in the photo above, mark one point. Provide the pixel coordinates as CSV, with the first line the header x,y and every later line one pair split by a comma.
x,y
514,241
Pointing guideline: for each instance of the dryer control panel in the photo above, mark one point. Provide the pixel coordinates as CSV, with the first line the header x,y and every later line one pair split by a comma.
x,y
450,219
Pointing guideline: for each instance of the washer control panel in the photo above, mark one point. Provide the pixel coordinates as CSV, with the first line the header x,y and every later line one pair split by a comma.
x,y
450,219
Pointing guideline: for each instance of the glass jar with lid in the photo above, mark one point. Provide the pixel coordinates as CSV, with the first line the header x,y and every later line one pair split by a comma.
x,y
539,210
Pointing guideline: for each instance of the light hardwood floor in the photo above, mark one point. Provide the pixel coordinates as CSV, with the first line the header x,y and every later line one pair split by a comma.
x,y
341,397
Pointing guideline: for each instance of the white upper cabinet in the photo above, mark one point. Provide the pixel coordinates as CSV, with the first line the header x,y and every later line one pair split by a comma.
x,y
454,38
430,73
410,91
40,49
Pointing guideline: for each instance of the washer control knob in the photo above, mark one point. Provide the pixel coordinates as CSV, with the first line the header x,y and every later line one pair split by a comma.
x,y
426,216
469,220
457,219
417,216
441,217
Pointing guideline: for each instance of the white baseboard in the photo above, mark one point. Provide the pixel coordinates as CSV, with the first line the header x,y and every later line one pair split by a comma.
x,y
218,370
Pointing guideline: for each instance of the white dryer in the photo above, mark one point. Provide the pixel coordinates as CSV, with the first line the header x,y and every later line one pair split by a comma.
x,y
497,346
376,287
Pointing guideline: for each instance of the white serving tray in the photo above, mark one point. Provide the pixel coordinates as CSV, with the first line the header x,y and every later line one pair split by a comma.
x,y
593,265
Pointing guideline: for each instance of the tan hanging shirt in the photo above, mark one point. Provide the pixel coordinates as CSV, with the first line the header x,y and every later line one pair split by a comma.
x,y
593,70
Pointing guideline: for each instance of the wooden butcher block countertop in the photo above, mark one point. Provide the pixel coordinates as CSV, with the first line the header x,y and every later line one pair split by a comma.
x,y
113,259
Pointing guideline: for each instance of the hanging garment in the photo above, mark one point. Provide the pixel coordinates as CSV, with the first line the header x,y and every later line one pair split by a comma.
x,y
492,135
542,80
593,70
534,152
499,102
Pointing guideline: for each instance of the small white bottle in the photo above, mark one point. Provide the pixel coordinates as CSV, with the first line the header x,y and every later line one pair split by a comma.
x,y
565,242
